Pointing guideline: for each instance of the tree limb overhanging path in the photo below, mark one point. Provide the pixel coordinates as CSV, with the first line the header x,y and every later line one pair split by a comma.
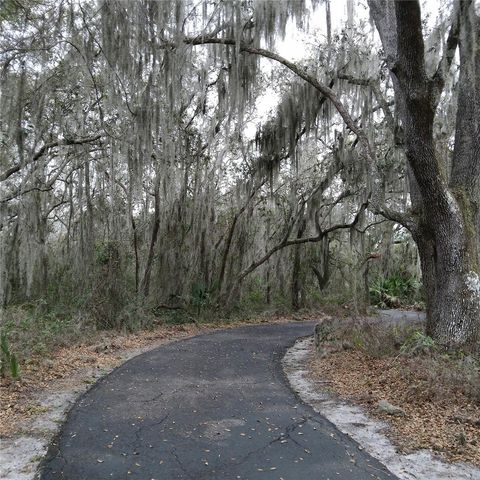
x,y
215,406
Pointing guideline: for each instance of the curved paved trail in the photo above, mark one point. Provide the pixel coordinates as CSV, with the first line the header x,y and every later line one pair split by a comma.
x,y
215,406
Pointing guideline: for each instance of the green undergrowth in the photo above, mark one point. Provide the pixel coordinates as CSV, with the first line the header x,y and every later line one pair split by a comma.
x,y
39,328
34,329
67,317
8,359
396,291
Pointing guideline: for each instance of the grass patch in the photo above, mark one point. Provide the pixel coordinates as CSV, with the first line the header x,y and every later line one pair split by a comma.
x,y
33,330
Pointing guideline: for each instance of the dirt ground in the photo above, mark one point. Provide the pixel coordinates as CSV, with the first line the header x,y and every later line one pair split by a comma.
x,y
67,366
449,427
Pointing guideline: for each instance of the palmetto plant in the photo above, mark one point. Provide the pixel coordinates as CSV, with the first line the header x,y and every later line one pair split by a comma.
x,y
393,291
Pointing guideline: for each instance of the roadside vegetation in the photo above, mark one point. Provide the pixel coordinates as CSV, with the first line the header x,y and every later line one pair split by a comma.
x,y
39,328
430,395
401,290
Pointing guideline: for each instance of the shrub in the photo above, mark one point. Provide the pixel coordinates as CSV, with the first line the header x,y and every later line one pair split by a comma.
x,y
36,328
376,338
108,296
134,316
394,291
8,360
200,297
417,343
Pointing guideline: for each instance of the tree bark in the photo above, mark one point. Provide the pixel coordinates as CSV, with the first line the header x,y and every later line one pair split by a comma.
x,y
135,250
145,286
323,272
297,280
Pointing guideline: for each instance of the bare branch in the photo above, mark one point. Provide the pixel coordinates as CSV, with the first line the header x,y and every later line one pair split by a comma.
x,y
438,79
286,242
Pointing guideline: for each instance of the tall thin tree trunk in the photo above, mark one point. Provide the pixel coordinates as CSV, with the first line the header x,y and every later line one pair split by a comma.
x,y
145,286
226,252
135,251
297,280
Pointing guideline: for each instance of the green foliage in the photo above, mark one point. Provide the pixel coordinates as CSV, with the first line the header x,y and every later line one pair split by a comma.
x,y
14,367
106,252
8,360
36,328
10,10
134,316
177,317
394,291
255,296
418,343
109,295
328,299
358,341
254,299
200,297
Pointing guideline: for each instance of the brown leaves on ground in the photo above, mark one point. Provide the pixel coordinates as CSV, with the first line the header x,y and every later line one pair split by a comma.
x,y
448,424
17,398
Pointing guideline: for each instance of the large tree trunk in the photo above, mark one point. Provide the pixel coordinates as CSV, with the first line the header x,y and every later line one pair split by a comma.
x,y
456,306
447,246
447,230
423,237
453,294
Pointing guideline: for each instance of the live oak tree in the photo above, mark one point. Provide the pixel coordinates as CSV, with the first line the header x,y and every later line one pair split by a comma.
x,y
444,218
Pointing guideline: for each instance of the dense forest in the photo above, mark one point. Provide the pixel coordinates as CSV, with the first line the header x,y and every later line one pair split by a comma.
x,y
169,159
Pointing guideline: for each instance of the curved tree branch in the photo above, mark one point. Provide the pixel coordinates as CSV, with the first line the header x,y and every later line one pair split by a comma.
x,y
329,93
287,242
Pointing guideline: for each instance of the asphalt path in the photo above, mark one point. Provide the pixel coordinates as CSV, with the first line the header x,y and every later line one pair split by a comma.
x,y
215,406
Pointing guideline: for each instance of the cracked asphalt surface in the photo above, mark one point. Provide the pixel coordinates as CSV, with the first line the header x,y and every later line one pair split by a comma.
x,y
216,406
